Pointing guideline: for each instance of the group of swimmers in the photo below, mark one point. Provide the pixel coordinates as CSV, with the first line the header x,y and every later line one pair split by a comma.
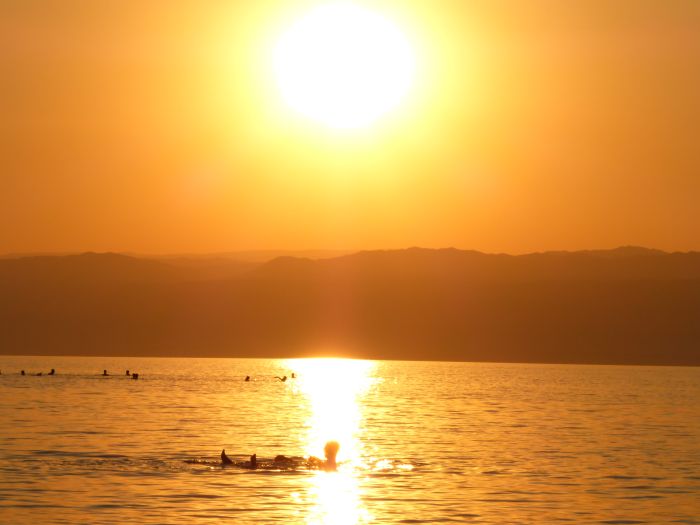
x,y
23,373
283,378
133,375
286,462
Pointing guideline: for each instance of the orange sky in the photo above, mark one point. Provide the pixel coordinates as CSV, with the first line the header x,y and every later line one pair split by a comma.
x,y
156,127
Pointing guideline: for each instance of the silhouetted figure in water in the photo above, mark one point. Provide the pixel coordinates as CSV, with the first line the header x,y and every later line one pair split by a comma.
x,y
282,462
40,373
247,378
283,379
225,460
330,451
294,375
53,372
22,372
104,373
134,376
252,464
329,464
128,373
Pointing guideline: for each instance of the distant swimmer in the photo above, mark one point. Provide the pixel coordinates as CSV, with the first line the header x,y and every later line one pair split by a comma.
x,y
53,372
283,379
104,373
22,372
247,378
40,373
294,375
128,373
134,376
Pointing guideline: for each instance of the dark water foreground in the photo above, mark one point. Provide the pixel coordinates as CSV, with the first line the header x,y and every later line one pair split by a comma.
x,y
420,442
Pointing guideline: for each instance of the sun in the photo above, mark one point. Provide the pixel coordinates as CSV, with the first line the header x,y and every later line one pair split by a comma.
x,y
343,65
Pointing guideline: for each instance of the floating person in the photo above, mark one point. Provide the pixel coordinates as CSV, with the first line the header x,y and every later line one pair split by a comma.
x,y
53,372
104,373
227,461
128,373
134,376
283,379
312,462
247,378
294,375
22,372
282,462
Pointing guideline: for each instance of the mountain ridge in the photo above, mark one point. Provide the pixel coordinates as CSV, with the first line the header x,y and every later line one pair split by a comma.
x,y
627,306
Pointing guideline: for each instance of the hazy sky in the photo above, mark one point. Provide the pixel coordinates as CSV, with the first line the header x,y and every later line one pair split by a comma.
x,y
157,127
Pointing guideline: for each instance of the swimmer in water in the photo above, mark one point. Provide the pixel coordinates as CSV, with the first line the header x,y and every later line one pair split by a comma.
x,y
284,462
283,379
53,372
329,465
247,378
104,373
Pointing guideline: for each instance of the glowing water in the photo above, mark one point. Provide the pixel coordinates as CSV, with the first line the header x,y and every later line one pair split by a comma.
x,y
420,442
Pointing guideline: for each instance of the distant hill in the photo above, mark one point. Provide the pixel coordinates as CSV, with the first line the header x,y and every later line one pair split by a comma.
x,y
254,256
626,263
627,305
84,268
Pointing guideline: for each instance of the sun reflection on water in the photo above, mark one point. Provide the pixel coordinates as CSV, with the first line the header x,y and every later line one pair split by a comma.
x,y
334,388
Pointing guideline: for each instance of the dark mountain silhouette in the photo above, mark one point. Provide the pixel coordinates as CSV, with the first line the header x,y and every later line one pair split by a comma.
x,y
626,263
84,268
628,305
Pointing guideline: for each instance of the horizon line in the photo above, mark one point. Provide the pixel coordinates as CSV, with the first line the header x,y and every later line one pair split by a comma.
x,y
333,252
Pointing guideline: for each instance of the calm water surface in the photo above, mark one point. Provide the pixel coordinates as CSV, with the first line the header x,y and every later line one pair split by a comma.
x,y
420,442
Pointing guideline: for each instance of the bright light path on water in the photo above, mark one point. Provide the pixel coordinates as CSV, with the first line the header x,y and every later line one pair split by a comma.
x,y
334,388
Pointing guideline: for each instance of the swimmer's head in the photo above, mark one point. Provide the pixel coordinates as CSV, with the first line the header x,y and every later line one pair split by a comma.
x,y
331,450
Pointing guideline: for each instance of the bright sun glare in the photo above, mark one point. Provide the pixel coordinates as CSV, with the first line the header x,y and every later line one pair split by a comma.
x,y
343,65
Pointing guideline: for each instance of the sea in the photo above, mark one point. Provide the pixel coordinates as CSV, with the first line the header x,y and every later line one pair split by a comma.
x,y
420,442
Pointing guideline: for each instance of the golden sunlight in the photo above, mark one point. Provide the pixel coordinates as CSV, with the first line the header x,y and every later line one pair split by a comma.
x,y
343,65
333,388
